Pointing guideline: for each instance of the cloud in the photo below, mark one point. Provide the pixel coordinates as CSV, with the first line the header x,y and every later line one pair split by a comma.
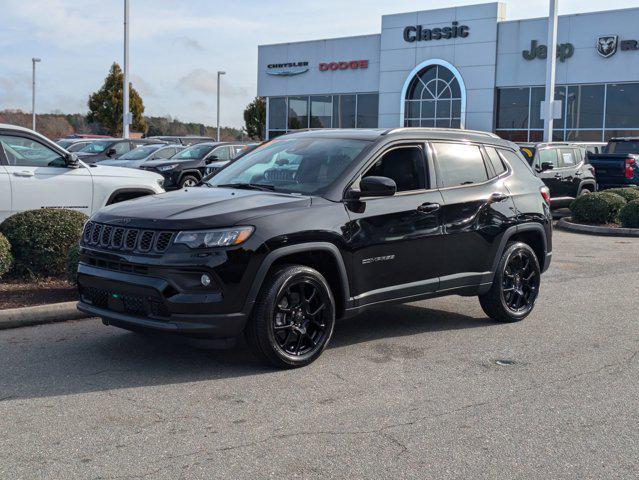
x,y
189,43
142,86
204,81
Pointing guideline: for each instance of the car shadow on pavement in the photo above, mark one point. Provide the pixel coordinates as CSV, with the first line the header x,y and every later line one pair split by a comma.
x,y
82,357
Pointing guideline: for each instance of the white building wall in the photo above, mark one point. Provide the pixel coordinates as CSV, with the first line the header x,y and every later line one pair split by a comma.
x,y
474,56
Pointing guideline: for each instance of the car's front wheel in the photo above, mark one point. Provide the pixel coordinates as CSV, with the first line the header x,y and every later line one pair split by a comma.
x,y
188,181
293,318
515,286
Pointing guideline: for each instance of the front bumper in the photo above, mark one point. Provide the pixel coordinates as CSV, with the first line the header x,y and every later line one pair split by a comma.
x,y
154,301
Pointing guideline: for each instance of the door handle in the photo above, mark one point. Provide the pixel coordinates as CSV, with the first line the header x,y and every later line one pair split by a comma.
x,y
557,175
428,207
24,173
497,197
578,174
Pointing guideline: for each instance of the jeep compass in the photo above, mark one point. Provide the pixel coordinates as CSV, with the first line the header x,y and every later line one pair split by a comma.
x,y
320,225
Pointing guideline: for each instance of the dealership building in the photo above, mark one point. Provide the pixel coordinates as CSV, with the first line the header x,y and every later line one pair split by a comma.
x,y
461,67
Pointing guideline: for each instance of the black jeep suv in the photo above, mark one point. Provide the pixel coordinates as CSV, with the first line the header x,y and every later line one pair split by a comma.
x,y
319,225
564,168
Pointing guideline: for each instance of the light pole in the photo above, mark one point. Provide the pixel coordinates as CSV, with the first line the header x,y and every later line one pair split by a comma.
x,y
551,63
219,74
126,117
33,93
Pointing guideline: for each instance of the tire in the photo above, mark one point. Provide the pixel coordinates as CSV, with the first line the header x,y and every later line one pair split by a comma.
x,y
585,191
284,331
515,287
189,181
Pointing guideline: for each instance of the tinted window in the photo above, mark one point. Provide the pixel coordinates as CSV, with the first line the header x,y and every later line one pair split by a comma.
x,y
496,161
624,147
23,152
404,165
344,111
222,153
165,153
194,152
528,153
460,164
321,109
512,107
297,112
622,105
122,147
277,113
367,108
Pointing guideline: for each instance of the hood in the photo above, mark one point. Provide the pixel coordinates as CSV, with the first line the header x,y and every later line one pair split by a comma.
x,y
100,169
199,208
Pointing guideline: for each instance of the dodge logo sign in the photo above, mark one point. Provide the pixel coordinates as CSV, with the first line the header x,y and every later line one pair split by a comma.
x,y
607,45
352,65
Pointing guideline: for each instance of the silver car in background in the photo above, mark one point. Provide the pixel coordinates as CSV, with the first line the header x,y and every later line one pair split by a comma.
x,y
138,156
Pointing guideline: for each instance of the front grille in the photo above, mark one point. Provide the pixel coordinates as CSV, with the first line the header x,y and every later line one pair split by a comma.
x,y
116,301
125,239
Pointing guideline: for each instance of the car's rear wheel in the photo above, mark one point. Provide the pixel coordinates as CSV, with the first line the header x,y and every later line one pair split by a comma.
x,y
293,318
515,287
188,181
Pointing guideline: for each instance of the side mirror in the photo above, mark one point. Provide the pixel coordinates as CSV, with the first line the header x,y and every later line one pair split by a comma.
x,y
71,160
110,152
212,158
373,187
545,166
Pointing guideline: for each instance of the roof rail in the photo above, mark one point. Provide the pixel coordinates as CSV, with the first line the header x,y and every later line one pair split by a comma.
x,y
437,129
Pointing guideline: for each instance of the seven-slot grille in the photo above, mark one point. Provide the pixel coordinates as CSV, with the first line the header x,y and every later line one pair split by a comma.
x,y
125,239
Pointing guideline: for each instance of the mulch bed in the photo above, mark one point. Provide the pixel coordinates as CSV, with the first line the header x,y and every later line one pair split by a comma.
x,y
15,294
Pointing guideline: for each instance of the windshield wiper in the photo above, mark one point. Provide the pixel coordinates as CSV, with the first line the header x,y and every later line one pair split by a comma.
x,y
249,186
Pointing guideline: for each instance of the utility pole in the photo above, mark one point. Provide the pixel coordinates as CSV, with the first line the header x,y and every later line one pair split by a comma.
x,y
551,64
33,93
126,116
219,74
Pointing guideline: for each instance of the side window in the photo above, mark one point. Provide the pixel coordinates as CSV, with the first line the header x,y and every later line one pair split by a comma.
x,y
121,148
222,153
495,160
547,155
567,157
24,152
165,153
460,164
405,165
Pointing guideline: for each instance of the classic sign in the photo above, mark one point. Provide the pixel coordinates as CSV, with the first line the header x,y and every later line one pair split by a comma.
x,y
419,34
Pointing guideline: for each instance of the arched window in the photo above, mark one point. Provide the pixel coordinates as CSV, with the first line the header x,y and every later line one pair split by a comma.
x,y
434,98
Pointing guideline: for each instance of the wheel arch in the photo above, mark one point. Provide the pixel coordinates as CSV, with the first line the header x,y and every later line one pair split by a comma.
x,y
532,234
587,183
322,256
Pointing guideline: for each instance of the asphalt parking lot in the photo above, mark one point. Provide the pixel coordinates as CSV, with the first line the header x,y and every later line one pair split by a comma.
x,y
427,390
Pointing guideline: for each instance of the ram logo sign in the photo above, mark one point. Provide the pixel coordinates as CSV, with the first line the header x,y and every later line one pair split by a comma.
x,y
607,45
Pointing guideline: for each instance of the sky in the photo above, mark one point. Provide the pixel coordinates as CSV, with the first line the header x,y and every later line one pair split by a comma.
x,y
177,46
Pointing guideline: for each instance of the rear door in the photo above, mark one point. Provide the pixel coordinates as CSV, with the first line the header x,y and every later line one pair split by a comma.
x,y
477,209
396,242
569,161
40,178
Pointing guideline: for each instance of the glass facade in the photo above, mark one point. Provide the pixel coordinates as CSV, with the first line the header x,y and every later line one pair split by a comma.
x,y
590,112
358,110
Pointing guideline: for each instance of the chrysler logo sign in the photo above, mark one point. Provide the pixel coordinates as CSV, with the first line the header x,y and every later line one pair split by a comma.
x,y
287,69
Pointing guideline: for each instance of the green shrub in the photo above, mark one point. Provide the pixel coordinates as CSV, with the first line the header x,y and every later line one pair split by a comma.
x,y
73,258
601,207
6,259
629,194
41,239
629,215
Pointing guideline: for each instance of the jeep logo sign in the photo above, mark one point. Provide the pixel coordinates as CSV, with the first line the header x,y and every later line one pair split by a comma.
x,y
564,51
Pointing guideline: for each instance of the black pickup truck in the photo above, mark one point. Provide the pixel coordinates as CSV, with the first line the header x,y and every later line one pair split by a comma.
x,y
619,165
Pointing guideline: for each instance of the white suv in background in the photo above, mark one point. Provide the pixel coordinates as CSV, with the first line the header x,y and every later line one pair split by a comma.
x,y
37,173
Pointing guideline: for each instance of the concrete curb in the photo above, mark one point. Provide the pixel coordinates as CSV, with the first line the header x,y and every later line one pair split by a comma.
x,y
40,314
566,224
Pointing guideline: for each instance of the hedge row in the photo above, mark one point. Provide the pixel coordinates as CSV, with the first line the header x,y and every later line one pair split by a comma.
x,y
617,205
40,241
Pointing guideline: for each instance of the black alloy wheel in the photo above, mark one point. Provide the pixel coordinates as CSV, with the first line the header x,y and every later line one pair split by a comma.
x,y
515,286
520,281
293,317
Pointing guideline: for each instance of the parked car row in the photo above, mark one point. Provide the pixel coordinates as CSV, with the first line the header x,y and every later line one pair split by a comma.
x,y
571,169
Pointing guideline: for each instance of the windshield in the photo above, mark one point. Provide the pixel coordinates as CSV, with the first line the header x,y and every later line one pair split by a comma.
x,y
140,152
623,147
196,152
294,165
96,147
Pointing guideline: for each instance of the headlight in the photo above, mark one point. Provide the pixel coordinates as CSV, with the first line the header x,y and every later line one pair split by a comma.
x,y
214,238
160,181
166,168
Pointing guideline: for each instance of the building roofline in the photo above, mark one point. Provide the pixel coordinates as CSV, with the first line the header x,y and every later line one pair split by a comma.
x,y
597,12
320,40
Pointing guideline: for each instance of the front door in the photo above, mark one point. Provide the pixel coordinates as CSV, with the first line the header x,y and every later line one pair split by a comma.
x,y
396,241
5,193
552,178
40,178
